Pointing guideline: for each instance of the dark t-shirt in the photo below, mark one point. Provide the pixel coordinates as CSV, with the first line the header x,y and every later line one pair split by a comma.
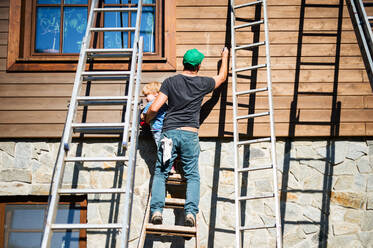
x,y
185,95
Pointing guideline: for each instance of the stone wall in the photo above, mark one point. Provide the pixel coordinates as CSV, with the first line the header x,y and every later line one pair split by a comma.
x,y
326,190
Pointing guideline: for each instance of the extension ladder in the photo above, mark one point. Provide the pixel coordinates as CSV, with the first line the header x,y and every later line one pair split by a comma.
x,y
128,131
238,141
363,24
178,181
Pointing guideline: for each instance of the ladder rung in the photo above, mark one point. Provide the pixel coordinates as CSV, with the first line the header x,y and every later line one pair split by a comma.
x,y
244,228
252,197
96,128
86,226
250,68
370,18
250,45
248,142
105,73
95,159
111,50
252,116
102,100
247,4
175,202
251,91
254,168
171,230
249,24
99,125
114,9
126,29
91,191
106,78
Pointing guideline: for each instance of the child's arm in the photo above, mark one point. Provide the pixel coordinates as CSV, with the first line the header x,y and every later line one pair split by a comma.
x,y
156,105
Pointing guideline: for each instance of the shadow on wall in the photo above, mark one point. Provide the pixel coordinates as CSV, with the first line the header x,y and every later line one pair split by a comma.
x,y
304,36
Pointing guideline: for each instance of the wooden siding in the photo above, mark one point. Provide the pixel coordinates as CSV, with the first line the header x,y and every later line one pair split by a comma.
x,y
35,104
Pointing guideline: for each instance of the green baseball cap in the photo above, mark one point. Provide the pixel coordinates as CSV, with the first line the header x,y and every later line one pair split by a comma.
x,y
193,57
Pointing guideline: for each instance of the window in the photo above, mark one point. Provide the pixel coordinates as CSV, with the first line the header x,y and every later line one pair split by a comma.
x,y
23,222
46,34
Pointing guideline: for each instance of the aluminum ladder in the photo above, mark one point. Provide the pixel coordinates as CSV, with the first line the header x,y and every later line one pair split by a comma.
x,y
127,129
363,29
238,141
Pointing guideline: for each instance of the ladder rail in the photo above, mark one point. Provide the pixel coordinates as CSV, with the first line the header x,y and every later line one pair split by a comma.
x,y
133,70
132,151
67,135
362,30
66,139
272,128
235,131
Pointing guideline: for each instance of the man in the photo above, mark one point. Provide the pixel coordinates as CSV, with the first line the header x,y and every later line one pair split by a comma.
x,y
184,93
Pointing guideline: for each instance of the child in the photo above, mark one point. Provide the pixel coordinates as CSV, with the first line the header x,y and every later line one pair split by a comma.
x,y
151,91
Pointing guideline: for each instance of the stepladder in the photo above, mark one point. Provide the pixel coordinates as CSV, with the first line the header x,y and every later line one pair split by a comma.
x,y
172,230
122,160
256,185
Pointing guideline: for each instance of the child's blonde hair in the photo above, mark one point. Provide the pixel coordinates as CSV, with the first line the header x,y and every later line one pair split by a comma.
x,y
151,88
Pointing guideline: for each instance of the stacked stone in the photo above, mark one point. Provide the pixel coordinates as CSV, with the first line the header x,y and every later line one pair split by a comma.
x,y
326,187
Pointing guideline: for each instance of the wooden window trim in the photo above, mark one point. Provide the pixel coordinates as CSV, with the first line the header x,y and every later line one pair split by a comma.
x,y
43,200
17,46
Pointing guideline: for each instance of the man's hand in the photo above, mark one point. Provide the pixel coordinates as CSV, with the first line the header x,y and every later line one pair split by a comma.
x,y
223,72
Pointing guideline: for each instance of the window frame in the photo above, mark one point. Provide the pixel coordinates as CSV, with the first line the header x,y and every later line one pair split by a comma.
x,y
43,200
20,57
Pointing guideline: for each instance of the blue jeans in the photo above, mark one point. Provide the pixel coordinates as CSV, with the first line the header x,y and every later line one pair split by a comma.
x,y
186,144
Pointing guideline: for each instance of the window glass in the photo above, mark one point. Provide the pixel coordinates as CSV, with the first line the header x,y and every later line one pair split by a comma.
x,y
49,1
47,36
24,240
116,39
76,1
116,1
24,226
74,26
147,29
26,216
144,1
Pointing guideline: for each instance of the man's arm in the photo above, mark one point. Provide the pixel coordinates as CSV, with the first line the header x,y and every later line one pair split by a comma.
x,y
223,72
156,105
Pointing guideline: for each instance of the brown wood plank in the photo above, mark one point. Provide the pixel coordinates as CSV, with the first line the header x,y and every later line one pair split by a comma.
x,y
269,2
279,63
63,78
49,103
368,102
279,89
314,25
4,3
206,130
314,50
369,129
306,76
289,37
3,25
3,38
290,11
60,90
56,117
2,64
261,102
304,115
282,130
3,51
4,13
284,102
